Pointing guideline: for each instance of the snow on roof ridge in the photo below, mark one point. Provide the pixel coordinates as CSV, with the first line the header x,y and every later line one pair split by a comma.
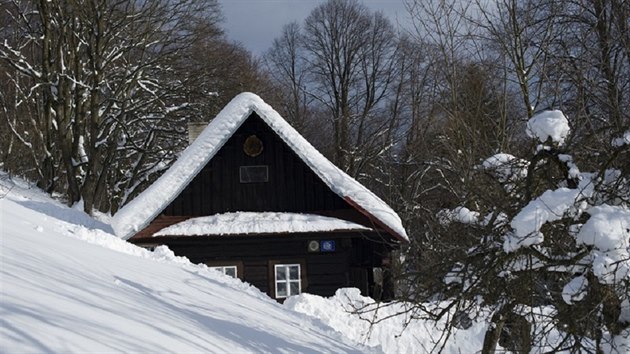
x,y
138,213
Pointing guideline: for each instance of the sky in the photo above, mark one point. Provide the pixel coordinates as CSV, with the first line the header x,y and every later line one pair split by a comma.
x,y
255,23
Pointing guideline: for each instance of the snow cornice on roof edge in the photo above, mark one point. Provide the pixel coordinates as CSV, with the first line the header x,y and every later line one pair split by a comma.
x,y
138,213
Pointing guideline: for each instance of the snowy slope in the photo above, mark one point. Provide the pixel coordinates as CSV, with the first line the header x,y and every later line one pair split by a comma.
x,y
69,286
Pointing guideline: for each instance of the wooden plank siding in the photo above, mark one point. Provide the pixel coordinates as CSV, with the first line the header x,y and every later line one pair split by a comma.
x,y
292,185
326,271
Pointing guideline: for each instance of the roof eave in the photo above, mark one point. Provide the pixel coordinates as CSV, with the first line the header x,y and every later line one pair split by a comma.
x,y
377,221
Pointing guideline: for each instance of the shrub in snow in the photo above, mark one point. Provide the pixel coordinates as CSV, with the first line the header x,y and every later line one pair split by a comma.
x,y
542,242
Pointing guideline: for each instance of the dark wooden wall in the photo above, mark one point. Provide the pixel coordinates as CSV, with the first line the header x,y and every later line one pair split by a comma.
x,y
292,186
349,265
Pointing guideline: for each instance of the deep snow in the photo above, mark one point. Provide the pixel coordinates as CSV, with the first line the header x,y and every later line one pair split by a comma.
x,y
69,286
398,330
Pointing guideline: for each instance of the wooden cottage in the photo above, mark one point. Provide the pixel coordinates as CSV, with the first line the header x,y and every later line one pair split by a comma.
x,y
252,198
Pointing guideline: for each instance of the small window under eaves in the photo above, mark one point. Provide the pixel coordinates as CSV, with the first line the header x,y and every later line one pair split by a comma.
x,y
254,174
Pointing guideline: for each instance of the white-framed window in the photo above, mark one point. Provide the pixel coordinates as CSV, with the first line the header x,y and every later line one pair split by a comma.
x,y
287,279
227,270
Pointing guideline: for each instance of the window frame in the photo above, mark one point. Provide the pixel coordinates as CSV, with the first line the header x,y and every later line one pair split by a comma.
x,y
223,269
223,264
284,270
301,281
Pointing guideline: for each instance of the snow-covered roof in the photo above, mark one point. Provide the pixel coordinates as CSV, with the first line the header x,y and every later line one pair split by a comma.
x,y
138,213
239,223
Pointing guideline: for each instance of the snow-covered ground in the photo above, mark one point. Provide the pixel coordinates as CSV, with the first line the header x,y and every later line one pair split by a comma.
x,y
69,286
395,327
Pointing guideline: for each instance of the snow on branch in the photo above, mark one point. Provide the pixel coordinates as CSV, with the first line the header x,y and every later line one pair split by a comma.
x,y
608,231
624,140
547,125
552,205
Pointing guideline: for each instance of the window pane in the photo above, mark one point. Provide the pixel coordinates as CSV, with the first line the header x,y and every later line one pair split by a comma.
x,y
281,289
281,272
294,287
231,271
294,272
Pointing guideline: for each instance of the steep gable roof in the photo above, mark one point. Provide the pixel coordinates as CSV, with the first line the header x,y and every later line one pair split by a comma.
x,y
138,213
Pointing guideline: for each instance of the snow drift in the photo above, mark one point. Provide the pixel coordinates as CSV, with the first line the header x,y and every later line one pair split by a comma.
x,y
70,286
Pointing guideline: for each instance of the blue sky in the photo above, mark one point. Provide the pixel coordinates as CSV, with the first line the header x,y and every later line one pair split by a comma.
x,y
255,23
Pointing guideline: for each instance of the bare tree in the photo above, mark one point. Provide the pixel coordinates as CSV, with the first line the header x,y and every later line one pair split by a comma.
x,y
592,66
342,61
96,87
286,64
524,33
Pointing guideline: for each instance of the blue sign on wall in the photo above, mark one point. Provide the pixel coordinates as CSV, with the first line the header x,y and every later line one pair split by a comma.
x,y
328,245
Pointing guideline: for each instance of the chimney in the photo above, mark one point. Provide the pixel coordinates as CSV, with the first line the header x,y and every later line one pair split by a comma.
x,y
195,129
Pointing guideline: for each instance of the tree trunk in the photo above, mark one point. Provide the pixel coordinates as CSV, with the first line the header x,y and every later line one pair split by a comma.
x,y
491,339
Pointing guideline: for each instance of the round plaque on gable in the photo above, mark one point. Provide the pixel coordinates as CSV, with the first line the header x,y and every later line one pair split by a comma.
x,y
253,146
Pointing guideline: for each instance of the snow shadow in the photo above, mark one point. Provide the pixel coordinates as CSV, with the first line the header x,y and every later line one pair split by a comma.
x,y
253,339
66,214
